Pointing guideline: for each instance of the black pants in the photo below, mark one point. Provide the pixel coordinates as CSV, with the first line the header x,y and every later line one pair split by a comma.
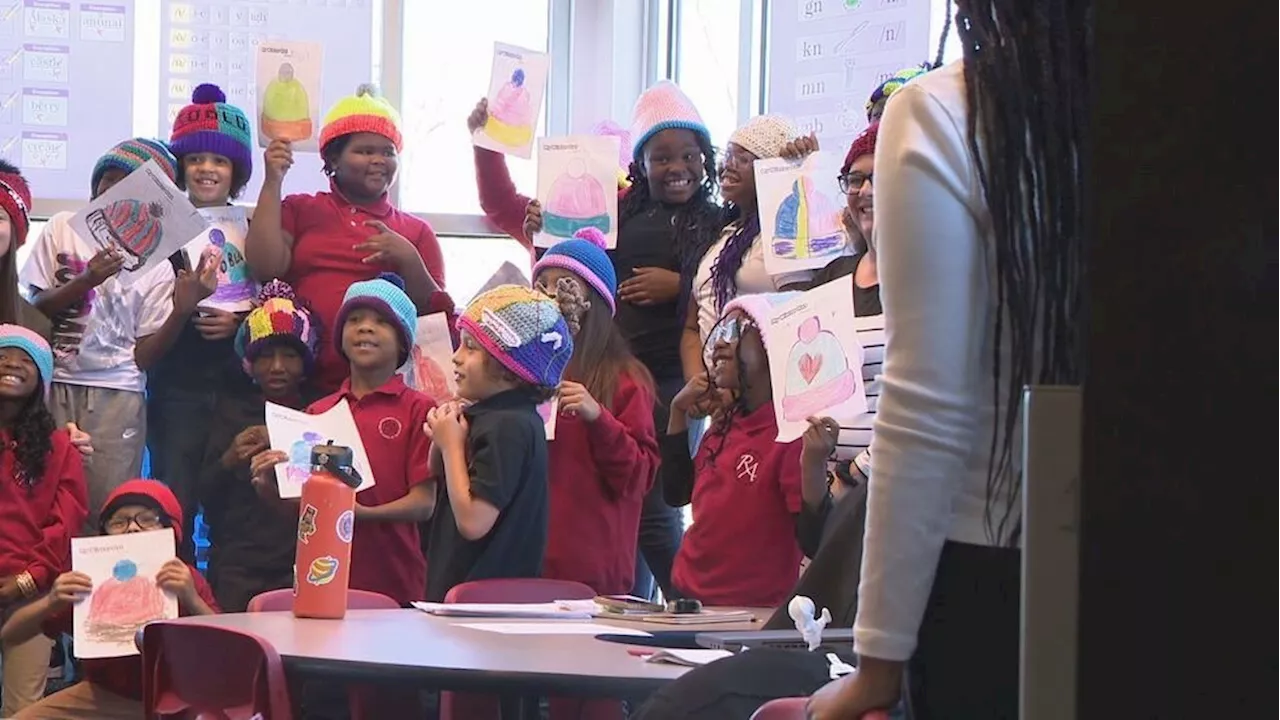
x,y
177,433
661,526
966,664
235,585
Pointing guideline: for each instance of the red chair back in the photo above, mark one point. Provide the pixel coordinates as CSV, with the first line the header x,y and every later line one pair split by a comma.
x,y
518,590
793,709
280,600
213,672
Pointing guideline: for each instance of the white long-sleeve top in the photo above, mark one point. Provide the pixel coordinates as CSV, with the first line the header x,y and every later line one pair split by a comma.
x,y
932,437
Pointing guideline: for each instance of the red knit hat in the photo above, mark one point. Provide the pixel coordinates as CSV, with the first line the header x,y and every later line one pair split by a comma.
x,y
15,198
864,144
148,493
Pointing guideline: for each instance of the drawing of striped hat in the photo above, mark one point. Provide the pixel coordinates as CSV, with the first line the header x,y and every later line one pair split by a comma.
x,y
136,227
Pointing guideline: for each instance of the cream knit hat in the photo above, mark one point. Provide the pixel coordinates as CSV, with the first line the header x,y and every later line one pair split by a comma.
x,y
764,135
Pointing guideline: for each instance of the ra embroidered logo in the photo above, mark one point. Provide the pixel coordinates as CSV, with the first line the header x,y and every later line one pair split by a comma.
x,y
747,467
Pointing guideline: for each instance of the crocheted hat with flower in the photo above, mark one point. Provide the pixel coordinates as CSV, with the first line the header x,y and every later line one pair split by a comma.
x,y
664,106
511,114
576,201
211,125
584,256
366,111
522,329
278,317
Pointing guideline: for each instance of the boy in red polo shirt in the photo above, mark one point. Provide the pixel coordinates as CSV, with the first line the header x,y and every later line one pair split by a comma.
x,y
375,331
321,244
112,688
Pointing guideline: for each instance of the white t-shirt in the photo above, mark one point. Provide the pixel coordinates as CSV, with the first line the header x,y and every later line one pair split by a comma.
x,y
93,341
936,412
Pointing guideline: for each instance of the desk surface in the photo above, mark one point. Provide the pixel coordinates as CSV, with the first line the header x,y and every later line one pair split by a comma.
x,y
410,645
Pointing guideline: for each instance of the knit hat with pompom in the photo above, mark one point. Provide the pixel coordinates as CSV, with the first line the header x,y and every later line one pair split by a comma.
x,y
522,329
278,317
584,256
384,295
366,111
211,125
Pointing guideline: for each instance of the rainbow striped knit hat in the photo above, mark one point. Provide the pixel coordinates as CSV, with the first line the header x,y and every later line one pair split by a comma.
x,y
210,124
523,330
278,317
366,111
131,155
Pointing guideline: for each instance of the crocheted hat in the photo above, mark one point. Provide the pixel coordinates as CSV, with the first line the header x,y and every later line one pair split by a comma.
x,y
366,111
131,155
16,336
757,307
880,96
818,374
384,295
286,107
584,256
764,135
807,224
523,330
148,493
864,144
209,124
511,116
278,317
15,199
662,107
576,201
133,225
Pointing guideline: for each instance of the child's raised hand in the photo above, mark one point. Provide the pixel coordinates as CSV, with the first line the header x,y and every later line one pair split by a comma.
x,y
175,577
575,400
819,439
193,286
250,442
80,439
447,426
801,147
532,218
69,588
278,158
479,116
694,392
104,264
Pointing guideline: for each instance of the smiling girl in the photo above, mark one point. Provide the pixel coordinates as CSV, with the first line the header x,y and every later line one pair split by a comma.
x,y
322,243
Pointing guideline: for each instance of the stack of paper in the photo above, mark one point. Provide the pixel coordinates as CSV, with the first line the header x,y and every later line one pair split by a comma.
x,y
560,610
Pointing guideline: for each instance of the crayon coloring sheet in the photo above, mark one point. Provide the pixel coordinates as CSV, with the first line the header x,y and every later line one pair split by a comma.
x,y
800,212
144,216
578,187
294,433
288,91
228,227
430,366
516,87
815,361
125,595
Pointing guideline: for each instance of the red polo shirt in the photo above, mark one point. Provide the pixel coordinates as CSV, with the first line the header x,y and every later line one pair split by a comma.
x,y
742,548
325,227
386,557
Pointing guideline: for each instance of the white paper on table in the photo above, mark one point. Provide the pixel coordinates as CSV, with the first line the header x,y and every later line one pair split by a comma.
x,y
550,410
507,274
125,595
800,212
516,86
228,227
294,432
430,366
288,88
563,610
145,216
815,361
577,187
552,628
687,657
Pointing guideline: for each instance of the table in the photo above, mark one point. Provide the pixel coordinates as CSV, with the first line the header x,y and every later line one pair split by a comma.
x,y
412,646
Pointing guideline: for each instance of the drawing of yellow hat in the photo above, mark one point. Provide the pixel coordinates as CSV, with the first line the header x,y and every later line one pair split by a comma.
x,y
286,108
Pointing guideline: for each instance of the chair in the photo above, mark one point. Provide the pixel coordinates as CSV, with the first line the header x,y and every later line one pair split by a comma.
x,y
471,706
211,672
277,600
781,709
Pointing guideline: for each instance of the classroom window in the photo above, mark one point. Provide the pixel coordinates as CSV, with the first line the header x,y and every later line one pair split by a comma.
x,y
470,261
448,52
707,59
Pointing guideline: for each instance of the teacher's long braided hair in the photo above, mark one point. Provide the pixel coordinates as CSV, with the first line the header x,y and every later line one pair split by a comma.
x,y
1027,73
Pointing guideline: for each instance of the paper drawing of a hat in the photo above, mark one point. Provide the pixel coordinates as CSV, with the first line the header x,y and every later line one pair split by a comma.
x,y
808,224
576,201
122,603
286,107
133,225
511,114
818,375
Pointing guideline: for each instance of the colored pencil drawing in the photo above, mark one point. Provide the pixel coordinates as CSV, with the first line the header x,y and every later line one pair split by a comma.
x,y
429,369
125,596
577,201
511,116
294,433
577,186
133,226
818,374
428,376
517,83
287,82
807,224
299,467
124,603
286,107
800,222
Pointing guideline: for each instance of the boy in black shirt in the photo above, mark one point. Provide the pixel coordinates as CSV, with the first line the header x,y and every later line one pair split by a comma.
x,y
489,459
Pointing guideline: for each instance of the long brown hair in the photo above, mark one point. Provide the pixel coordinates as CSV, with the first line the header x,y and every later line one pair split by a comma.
x,y
10,303
600,353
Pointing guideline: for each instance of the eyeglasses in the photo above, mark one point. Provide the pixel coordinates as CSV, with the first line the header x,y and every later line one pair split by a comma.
x,y
851,183
729,330
145,520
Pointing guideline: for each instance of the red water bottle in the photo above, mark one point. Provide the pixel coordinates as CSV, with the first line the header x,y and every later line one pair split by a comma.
x,y
326,521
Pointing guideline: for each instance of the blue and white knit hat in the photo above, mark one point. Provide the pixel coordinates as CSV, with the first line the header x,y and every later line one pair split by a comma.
x,y
524,330
383,294
583,255
16,336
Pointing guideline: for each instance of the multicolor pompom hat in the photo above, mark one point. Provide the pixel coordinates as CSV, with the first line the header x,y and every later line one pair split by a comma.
x,y
522,329
211,125
131,155
366,111
16,336
664,106
891,84
278,317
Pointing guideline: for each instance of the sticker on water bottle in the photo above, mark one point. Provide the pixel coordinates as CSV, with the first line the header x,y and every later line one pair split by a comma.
x,y
346,525
323,570
307,523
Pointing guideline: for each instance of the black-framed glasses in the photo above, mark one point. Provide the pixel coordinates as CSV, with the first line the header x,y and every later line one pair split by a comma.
x,y
852,182
145,520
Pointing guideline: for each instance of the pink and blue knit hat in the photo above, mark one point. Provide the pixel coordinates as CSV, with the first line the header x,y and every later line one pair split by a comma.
x,y
522,329
131,155
584,256
210,124
16,336
664,106
384,295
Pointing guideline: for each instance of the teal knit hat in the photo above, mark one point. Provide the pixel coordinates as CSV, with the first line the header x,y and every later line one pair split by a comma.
x,y
131,155
384,295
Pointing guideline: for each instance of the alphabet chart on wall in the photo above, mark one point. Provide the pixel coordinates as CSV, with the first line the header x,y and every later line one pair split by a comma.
x,y
827,56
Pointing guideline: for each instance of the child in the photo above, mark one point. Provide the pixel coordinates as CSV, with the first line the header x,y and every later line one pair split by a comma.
x,y
251,543
322,243
377,324
112,687
212,144
745,487
43,496
491,505
15,219
604,456
106,335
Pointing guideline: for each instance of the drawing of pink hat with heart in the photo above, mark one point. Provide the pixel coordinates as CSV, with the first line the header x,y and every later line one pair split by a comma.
x,y
818,374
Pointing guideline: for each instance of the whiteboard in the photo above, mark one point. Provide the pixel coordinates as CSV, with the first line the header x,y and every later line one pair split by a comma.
x,y
827,56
